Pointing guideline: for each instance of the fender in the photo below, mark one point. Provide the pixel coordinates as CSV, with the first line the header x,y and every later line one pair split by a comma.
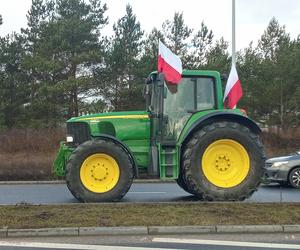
x,y
222,116
125,147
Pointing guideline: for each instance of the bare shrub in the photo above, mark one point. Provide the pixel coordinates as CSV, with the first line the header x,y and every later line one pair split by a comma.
x,y
30,140
28,154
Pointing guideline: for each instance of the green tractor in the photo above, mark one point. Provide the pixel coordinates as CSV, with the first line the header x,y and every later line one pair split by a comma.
x,y
185,135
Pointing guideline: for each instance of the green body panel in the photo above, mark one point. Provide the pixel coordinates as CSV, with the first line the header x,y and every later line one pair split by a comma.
x,y
62,157
132,128
125,126
195,117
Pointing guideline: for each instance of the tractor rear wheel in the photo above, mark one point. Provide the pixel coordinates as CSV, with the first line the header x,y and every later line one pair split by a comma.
x,y
182,183
223,162
99,171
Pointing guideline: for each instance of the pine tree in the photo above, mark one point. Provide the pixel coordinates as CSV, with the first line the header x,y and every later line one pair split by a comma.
x,y
202,43
274,37
177,37
217,57
64,41
120,80
13,83
150,53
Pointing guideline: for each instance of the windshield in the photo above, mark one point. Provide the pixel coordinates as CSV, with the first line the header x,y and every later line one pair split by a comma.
x,y
191,95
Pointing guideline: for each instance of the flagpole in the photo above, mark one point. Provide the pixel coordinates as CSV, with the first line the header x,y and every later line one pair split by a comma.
x,y
233,33
233,91
233,37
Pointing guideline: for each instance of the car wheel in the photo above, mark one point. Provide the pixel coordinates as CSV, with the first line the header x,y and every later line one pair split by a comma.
x,y
294,177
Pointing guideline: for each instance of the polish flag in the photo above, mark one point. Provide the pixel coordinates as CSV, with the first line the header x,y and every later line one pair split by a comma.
x,y
233,90
169,64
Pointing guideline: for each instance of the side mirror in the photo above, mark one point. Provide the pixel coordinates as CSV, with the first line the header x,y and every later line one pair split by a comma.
x,y
151,78
224,77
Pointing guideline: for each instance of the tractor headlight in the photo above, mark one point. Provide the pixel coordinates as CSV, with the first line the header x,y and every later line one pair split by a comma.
x,y
279,164
70,138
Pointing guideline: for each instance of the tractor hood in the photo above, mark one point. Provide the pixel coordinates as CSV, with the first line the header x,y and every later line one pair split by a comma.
x,y
132,125
111,116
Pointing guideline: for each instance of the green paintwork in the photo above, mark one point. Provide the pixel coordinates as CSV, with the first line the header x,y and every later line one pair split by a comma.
x,y
195,117
169,162
133,129
61,159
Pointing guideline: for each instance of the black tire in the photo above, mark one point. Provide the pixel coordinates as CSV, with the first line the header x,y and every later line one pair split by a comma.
x,y
191,162
294,177
74,183
181,183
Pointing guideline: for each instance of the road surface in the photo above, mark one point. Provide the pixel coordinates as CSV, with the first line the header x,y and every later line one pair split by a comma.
x,y
203,242
139,192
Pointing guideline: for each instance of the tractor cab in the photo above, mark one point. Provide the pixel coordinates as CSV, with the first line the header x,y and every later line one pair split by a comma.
x,y
175,104
171,106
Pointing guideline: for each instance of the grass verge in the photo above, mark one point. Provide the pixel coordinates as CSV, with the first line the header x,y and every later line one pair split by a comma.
x,y
89,215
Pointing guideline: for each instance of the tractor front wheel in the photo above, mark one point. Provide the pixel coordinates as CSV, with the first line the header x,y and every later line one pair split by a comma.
x,y
99,171
223,162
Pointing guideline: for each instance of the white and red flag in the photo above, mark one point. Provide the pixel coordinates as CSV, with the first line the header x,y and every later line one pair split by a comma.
x,y
169,64
233,90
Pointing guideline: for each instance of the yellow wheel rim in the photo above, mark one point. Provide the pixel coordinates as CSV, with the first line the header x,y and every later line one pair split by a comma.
x,y
99,173
225,163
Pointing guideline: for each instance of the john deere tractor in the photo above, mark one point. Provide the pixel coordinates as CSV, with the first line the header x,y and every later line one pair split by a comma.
x,y
185,135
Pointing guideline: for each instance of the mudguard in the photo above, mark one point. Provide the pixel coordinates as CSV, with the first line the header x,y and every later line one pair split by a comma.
x,y
220,116
125,147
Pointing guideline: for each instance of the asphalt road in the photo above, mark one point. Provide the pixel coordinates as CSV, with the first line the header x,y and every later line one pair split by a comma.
x,y
195,242
139,192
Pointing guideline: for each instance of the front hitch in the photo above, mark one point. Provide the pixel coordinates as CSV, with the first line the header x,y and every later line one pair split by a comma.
x,y
59,164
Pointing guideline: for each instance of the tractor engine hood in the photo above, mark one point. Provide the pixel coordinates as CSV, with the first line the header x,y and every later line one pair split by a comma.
x,y
132,125
110,116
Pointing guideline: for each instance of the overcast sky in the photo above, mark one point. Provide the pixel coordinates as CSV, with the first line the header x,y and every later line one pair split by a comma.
x,y
252,16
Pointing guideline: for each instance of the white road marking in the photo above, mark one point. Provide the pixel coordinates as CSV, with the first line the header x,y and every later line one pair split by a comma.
x,y
147,192
227,243
69,246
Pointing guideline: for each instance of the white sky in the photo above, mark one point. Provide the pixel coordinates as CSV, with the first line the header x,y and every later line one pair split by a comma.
x,y
252,16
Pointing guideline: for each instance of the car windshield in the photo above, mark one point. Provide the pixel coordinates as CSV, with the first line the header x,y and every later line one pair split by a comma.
x,y
191,95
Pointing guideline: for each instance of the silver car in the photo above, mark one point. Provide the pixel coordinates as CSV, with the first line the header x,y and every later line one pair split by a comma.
x,y
284,170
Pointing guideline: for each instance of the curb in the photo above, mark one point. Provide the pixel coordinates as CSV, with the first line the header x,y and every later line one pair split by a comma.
x,y
88,231
250,229
42,232
150,230
156,230
63,182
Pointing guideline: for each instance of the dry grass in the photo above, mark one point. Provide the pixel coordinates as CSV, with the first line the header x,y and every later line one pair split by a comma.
x,y
281,142
26,216
30,140
26,166
28,154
